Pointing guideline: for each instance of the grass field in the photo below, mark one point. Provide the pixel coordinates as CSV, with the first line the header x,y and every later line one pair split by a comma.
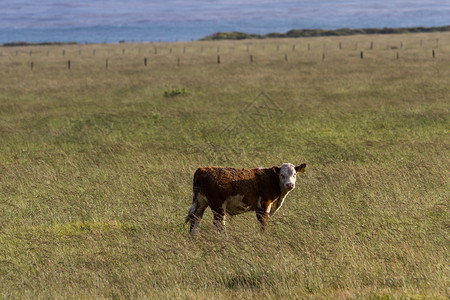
x,y
96,168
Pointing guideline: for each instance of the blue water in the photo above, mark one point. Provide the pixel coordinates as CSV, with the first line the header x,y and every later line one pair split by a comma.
x,y
94,21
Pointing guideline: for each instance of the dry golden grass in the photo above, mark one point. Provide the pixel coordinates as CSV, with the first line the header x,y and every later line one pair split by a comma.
x,y
96,167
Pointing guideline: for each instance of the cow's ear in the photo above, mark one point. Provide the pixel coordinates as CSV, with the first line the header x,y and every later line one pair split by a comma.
x,y
276,169
301,168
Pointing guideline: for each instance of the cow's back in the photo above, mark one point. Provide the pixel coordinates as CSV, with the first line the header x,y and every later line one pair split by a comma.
x,y
215,181
223,182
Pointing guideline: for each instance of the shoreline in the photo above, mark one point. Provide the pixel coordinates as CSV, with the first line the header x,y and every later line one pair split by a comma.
x,y
293,33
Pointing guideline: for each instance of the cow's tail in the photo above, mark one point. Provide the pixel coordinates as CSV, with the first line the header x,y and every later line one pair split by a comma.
x,y
195,192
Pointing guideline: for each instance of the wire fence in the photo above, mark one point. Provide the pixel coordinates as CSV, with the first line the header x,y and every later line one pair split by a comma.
x,y
75,56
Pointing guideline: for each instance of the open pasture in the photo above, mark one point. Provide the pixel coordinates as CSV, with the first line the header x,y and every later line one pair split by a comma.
x,y
96,166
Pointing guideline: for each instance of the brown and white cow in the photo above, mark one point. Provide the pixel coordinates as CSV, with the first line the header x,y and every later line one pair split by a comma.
x,y
235,191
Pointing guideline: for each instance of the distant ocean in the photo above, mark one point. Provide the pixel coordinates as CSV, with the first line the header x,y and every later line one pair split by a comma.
x,y
111,21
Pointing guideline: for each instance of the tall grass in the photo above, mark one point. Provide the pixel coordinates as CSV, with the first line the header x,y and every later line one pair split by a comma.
x,y
96,168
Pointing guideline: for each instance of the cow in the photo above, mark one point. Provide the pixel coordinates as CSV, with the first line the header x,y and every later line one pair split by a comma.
x,y
235,191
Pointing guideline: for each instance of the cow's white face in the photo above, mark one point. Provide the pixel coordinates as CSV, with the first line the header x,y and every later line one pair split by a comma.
x,y
288,175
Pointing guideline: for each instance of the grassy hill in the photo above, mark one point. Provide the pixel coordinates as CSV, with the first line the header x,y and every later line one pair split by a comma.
x,y
297,33
96,167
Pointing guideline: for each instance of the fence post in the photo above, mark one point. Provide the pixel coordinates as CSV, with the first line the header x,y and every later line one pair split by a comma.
x,y
401,45
362,55
285,57
145,61
123,51
32,66
68,64
398,55
93,52
218,59
184,50
309,47
293,48
323,56
340,45
433,53
420,43
371,45
106,64
251,59
437,43
178,61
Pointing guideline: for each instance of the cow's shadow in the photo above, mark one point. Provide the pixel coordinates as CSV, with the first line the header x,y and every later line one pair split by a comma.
x,y
252,281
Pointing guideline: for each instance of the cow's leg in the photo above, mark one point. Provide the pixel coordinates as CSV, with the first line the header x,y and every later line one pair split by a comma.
x,y
219,218
262,214
196,213
262,217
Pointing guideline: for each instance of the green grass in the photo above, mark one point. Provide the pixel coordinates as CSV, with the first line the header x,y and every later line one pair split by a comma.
x,y
96,169
176,92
